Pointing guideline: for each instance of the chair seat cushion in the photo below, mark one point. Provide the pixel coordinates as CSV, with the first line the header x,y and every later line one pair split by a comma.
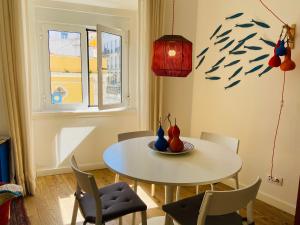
x,y
186,212
117,200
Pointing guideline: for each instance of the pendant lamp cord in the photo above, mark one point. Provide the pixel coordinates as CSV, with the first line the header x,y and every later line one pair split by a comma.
x,y
273,13
278,123
173,17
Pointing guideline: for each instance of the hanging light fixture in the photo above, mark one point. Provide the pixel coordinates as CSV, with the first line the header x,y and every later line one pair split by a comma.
x,y
172,55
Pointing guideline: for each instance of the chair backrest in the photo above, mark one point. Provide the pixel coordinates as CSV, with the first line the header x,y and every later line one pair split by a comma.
x,y
229,142
135,134
86,184
223,202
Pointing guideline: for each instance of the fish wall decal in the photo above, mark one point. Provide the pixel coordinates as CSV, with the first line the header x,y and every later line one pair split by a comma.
x,y
236,73
237,52
265,71
212,69
233,84
248,37
200,62
261,24
232,63
219,62
203,52
237,46
259,58
227,45
216,31
213,78
256,48
234,16
254,69
222,40
245,25
270,43
224,33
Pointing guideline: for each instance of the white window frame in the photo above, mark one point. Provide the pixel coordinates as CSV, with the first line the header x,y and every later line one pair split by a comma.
x,y
45,98
124,66
46,69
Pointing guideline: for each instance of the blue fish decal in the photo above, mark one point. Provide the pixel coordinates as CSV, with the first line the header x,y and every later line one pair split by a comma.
x,y
213,78
259,58
200,62
224,33
270,43
227,45
219,62
222,40
237,46
203,52
236,73
237,52
244,25
265,71
253,47
232,63
234,16
233,84
254,69
248,37
216,31
261,24
212,69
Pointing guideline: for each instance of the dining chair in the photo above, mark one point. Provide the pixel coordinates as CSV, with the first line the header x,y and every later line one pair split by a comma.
x,y
99,206
230,143
130,135
215,207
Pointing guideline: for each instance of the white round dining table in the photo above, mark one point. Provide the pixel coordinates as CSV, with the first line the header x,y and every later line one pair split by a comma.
x,y
208,163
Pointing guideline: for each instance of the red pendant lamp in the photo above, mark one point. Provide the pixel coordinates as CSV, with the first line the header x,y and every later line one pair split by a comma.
x,y
172,55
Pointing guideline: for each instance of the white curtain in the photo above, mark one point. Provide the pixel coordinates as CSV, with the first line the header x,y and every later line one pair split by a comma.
x,y
14,76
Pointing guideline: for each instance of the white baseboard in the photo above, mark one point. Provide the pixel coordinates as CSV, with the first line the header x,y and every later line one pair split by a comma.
x,y
269,199
62,170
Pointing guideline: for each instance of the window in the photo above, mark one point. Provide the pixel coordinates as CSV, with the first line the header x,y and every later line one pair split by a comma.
x,y
85,67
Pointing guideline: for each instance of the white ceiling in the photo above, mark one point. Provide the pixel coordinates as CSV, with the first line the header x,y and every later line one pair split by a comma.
x,y
119,4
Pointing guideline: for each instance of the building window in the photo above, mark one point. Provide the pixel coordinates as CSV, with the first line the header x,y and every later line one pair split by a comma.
x,y
86,67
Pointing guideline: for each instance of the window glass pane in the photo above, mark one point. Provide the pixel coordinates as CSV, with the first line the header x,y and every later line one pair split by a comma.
x,y
93,72
65,67
111,68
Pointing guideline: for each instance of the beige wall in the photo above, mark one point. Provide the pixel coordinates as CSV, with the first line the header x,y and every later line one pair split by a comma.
x,y
177,92
249,111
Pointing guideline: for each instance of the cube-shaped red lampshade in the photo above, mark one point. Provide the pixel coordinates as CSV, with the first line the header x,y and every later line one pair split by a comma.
x,y
172,56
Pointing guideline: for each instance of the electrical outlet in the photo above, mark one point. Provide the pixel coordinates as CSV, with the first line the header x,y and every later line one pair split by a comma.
x,y
275,180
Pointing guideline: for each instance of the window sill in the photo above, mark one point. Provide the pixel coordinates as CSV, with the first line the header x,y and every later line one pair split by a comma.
x,y
83,113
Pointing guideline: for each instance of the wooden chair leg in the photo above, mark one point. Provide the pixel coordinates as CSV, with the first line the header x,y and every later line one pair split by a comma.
x,y
133,218
178,188
135,186
120,221
250,219
144,217
237,185
197,189
212,187
75,210
117,178
152,190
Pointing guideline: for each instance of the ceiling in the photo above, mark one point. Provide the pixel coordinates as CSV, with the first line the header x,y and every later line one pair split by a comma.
x,y
119,4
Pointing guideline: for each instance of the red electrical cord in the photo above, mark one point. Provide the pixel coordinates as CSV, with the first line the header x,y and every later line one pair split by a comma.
x,y
278,123
274,14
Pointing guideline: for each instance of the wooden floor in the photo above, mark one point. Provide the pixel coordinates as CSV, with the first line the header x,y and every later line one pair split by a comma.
x,y
53,202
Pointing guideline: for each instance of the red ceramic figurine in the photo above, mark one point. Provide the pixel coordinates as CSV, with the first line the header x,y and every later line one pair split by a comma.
x,y
176,144
170,129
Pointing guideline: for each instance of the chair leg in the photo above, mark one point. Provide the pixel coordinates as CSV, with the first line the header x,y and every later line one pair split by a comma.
x,y
237,182
117,178
197,189
120,221
212,187
135,186
133,218
75,210
152,190
144,217
177,193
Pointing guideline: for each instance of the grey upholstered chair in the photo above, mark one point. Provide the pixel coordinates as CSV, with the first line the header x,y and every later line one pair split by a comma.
x,y
215,207
99,206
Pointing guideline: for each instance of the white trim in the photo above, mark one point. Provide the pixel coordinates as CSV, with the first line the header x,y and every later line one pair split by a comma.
x,y
269,199
63,170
